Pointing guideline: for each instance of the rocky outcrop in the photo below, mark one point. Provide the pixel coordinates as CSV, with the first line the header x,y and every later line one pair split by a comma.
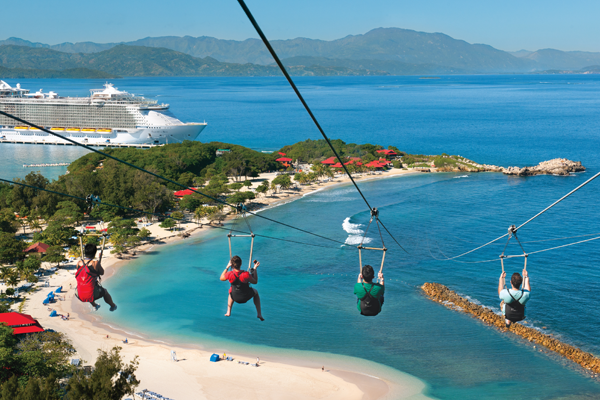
x,y
450,299
558,166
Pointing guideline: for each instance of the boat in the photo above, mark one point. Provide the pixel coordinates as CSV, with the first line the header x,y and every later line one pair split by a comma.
x,y
107,115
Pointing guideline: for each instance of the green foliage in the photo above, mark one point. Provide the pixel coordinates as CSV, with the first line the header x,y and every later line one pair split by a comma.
x,y
168,223
397,164
236,186
241,197
191,202
11,249
8,221
282,180
144,234
313,151
111,379
54,254
263,187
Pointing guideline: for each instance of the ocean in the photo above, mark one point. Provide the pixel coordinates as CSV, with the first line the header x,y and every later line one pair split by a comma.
x,y
175,294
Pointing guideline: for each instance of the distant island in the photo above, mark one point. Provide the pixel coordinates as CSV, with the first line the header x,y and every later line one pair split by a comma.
x,y
381,51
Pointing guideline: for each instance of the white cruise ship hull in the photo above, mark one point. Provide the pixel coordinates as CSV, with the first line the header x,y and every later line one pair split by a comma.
x,y
155,135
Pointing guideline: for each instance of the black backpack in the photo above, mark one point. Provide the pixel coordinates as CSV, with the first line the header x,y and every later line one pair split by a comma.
x,y
369,305
514,311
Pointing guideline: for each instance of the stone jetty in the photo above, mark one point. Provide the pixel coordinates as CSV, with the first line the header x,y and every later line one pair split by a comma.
x,y
450,299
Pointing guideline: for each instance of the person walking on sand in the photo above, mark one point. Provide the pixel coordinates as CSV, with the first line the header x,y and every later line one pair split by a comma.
x,y
240,290
88,273
514,299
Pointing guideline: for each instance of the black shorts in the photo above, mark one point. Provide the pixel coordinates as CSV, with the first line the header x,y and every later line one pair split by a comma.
x,y
242,297
98,292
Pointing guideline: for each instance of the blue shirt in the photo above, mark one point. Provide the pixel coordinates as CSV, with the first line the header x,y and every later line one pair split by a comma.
x,y
504,295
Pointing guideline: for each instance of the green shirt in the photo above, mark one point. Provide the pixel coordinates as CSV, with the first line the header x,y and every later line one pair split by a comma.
x,y
376,292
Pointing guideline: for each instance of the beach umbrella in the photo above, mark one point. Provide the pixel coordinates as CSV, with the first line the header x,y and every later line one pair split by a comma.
x,y
284,159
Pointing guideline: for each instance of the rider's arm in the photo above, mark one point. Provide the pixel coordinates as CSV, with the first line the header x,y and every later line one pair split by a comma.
x,y
526,284
98,268
224,273
254,275
501,282
380,276
359,278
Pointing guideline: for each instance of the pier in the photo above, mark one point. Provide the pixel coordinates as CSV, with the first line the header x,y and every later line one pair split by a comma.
x,y
62,164
103,145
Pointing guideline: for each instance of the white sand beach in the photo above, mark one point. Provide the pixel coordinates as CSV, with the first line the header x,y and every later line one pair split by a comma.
x,y
194,376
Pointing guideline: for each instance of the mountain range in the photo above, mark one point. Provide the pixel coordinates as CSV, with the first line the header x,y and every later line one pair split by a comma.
x,y
381,51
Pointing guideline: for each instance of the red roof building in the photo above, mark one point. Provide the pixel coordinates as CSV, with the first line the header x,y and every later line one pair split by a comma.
x,y
21,323
182,193
330,160
387,152
37,248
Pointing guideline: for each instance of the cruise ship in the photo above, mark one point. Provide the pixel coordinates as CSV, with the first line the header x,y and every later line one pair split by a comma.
x,y
107,117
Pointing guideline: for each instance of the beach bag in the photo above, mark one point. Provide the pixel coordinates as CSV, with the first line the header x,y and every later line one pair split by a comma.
x,y
86,282
241,292
369,305
514,311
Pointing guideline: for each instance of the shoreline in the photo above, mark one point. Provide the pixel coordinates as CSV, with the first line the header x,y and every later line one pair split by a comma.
x,y
299,373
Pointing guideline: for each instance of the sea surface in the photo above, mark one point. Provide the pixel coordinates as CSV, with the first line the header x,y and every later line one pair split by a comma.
x,y
307,292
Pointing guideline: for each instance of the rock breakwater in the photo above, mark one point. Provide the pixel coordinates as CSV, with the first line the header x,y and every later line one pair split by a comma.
x,y
557,166
450,299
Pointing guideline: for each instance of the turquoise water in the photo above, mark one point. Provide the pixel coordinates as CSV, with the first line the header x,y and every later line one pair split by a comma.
x,y
307,291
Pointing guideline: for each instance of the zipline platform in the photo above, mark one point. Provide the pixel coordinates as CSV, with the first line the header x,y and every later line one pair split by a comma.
x,y
441,294
138,146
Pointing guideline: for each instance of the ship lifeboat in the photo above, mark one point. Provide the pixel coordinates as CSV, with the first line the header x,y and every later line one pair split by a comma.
x,y
73,129
57,128
88,130
104,130
21,127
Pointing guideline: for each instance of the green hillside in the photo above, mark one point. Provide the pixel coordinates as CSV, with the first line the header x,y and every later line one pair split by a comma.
x,y
125,60
74,73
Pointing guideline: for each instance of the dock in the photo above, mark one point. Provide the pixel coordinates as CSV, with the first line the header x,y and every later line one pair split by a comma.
x,y
62,164
104,145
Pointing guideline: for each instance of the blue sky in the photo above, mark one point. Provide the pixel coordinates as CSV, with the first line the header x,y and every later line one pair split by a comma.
x,y
507,25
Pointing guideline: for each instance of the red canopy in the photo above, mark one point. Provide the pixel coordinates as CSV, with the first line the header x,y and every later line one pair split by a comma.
x,y
349,162
330,160
37,248
281,154
21,323
337,165
284,159
374,164
387,152
182,193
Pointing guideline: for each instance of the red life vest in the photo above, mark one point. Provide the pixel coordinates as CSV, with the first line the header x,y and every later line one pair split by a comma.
x,y
86,283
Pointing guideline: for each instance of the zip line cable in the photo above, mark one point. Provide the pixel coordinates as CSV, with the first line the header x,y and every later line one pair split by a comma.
x,y
293,85
530,219
310,113
158,214
161,177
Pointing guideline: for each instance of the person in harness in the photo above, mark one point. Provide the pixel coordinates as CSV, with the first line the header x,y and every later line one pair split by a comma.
x,y
88,273
514,299
369,294
240,290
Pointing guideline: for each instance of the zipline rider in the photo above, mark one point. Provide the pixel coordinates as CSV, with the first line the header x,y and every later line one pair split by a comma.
x,y
88,274
240,290
514,299
369,294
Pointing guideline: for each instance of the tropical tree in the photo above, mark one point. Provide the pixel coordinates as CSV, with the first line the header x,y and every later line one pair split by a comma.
x,y
178,216
247,183
144,234
168,223
200,213
263,188
111,378
10,248
55,254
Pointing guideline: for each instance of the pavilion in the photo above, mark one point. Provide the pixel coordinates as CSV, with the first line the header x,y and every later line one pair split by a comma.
x,y
20,323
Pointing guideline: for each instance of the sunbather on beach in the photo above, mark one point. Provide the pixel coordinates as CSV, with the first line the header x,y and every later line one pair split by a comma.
x,y
240,290
88,272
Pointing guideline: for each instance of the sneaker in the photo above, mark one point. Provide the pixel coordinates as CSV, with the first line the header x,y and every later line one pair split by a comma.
x,y
113,308
95,307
